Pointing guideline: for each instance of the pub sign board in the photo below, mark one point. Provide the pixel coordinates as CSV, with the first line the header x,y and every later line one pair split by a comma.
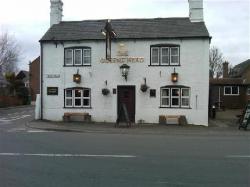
x,y
52,90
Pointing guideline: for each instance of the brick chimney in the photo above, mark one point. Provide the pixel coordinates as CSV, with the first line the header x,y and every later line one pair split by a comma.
x,y
225,69
196,10
56,10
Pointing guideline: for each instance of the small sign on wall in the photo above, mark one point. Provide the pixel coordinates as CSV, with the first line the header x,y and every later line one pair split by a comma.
x,y
52,90
52,76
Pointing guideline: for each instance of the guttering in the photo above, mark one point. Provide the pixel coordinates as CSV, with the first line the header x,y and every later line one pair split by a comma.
x,y
135,38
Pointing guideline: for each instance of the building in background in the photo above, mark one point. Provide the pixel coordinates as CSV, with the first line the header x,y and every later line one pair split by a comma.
x,y
3,83
232,91
34,78
152,67
24,76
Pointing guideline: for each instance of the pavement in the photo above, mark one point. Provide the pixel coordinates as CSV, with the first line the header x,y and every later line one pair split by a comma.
x,y
225,121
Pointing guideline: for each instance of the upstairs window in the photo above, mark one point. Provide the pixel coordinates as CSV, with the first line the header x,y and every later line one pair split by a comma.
x,y
165,55
77,56
68,57
155,55
86,56
231,90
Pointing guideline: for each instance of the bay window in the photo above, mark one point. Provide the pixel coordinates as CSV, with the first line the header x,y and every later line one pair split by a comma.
x,y
77,98
165,97
175,97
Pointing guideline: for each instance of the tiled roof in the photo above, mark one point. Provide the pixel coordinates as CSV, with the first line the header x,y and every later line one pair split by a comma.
x,y
23,75
227,81
239,69
127,29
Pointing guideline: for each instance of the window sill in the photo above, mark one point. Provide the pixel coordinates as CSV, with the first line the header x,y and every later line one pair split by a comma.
x,y
163,65
176,107
77,65
77,107
231,94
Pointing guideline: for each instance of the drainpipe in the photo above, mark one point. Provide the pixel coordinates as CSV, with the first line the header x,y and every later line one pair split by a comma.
x,y
219,99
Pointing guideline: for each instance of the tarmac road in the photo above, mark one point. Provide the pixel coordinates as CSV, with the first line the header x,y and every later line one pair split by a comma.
x,y
40,158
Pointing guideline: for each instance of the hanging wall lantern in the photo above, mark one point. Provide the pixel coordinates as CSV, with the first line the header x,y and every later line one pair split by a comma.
x,y
77,77
174,76
124,70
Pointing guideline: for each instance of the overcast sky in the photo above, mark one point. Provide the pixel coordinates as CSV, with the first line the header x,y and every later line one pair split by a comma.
x,y
228,21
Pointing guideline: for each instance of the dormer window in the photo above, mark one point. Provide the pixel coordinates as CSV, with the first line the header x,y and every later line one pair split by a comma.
x,y
77,56
165,55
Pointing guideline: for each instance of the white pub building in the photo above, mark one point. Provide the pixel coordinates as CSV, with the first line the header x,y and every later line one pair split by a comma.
x,y
148,67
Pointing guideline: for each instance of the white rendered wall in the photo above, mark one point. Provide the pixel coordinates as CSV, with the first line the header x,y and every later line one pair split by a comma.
x,y
193,72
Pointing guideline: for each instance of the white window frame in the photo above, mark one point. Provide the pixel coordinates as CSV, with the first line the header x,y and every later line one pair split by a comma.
x,y
73,98
158,56
179,97
178,55
165,55
75,57
185,97
80,98
165,97
231,90
85,98
175,97
69,98
69,64
83,60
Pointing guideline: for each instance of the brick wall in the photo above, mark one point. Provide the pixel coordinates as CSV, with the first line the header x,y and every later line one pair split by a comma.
x,y
6,101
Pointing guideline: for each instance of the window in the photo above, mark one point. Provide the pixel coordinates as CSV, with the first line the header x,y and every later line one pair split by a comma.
x,y
185,97
174,60
248,91
155,55
68,57
152,93
69,98
86,56
165,55
77,97
175,97
165,97
231,90
77,56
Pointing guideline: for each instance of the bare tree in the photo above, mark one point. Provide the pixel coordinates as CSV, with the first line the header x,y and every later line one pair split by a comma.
x,y
215,62
9,53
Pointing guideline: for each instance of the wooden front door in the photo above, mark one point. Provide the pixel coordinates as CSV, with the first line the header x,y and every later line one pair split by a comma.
x,y
126,96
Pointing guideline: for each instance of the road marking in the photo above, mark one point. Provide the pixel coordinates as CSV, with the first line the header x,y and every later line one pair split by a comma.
x,y
16,129
38,131
238,156
14,118
66,155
